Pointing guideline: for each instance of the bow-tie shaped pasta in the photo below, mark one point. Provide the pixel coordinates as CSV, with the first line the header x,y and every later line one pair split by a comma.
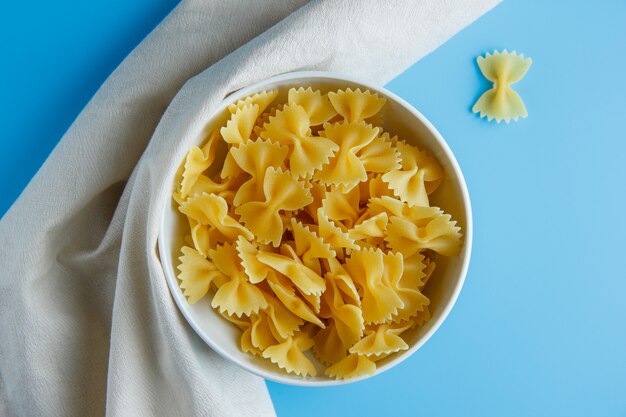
x,y
345,169
204,237
259,335
265,119
282,320
197,161
313,300
419,175
415,271
246,340
204,184
374,187
501,102
281,286
212,210
375,226
380,155
438,233
239,128
332,234
329,348
282,192
394,207
382,340
290,356
196,274
352,366
318,192
309,246
316,105
237,296
348,318
380,302
306,279
254,158
342,206
262,99
356,106
343,281
255,270
230,169
412,299
291,127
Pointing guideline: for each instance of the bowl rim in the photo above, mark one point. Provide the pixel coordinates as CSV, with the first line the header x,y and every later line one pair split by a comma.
x,y
181,302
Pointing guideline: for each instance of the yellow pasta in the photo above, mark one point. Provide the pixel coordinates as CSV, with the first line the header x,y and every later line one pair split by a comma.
x,y
290,127
254,158
379,302
345,169
315,232
375,187
439,234
239,127
328,346
356,106
347,318
374,226
219,187
262,99
212,210
303,277
415,271
342,206
344,282
287,295
196,274
381,340
290,356
501,102
380,155
309,246
261,334
352,366
282,192
245,342
317,106
283,321
255,270
197,161
413,301
237,296
243,322
332,234
418,168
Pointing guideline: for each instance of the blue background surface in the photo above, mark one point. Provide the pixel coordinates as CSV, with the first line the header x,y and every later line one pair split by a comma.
x,y
540,327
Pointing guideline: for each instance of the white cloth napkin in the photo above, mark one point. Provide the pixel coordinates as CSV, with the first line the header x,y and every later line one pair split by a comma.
x,y
87,323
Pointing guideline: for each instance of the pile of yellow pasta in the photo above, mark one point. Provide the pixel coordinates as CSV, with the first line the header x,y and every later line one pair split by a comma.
x,y
316,231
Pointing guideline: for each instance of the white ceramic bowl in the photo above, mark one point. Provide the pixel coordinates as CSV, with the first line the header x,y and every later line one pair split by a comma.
x,y
443,288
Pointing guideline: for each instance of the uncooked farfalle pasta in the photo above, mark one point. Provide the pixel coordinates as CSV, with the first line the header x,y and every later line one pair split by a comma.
x,y
501,102
315,232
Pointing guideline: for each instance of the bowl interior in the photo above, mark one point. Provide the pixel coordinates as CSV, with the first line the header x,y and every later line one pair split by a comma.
x,y
399,118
